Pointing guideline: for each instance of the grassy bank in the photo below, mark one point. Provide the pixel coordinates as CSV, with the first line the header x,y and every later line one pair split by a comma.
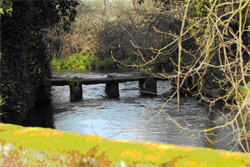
x,y
84,60
87,60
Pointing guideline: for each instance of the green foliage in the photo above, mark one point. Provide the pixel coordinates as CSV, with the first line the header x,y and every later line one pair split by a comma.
x,y
6,7
59,63
198,7
2,102
107,63
244,92
85,59
25,64
248,65
241,94
145,73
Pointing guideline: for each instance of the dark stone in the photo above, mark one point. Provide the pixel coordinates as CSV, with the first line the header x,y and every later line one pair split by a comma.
x,y
148,87
112,90
75,91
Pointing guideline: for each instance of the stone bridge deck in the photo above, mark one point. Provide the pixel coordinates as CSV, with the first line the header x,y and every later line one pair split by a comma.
x,y
147,84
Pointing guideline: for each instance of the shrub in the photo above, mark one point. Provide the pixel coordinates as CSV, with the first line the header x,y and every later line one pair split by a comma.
x,y
242,94
145,73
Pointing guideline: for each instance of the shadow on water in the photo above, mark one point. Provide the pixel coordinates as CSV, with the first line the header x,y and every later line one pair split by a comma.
x,y
41,115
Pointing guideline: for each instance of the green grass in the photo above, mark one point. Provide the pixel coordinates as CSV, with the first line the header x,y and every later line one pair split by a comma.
x,y
83,60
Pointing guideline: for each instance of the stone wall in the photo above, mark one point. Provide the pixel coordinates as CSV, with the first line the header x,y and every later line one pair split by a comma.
x,y
33,146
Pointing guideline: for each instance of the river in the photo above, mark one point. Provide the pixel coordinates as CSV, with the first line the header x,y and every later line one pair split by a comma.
x,y
131,117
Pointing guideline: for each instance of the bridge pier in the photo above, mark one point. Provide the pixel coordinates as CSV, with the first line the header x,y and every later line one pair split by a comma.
x,y
148,87
75,91
112,90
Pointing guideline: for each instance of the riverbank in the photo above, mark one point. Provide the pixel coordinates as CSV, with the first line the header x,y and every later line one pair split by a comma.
x,y
84,60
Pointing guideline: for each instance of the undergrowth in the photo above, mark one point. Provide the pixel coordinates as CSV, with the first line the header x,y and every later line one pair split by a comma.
x,y
84,60
242,94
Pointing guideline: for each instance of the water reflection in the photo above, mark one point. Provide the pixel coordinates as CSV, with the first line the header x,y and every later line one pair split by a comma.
x,y
127,117
130,116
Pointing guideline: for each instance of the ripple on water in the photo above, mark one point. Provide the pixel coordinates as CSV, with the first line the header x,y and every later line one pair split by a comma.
x,y
130,116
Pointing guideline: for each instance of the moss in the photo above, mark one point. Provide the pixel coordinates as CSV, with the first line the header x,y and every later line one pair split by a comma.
x,y
111,76
145,73
43,147
72,83
137,78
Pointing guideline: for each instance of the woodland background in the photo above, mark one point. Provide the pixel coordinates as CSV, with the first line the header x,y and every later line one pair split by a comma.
x,y
207,43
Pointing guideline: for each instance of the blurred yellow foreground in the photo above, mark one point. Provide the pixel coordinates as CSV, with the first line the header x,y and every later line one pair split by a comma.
x,y
22,146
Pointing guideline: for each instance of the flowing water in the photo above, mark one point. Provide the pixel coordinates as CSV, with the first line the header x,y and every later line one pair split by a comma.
x,y
131,117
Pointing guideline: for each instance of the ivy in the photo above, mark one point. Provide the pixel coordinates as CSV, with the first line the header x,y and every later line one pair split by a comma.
x,y
6,7
25,64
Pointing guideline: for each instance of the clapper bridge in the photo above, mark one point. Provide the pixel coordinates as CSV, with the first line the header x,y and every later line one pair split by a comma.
x,y
147,84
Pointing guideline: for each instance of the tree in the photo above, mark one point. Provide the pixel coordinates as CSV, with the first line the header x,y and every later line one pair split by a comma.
x,y
220,68
25,65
